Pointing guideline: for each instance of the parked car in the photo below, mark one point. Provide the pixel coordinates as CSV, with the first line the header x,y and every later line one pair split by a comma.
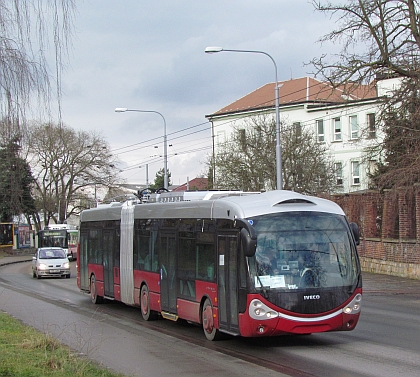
x,y
50,261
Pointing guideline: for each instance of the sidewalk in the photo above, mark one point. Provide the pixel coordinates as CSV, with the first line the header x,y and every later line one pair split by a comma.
x,y
378,283
17,257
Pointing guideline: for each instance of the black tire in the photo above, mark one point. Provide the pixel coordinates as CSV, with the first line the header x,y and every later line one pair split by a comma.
x,y
93,292
68,276
146,313
207,321
33,274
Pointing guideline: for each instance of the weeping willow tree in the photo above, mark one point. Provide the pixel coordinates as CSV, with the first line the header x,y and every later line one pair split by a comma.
x,y
34,37
32,34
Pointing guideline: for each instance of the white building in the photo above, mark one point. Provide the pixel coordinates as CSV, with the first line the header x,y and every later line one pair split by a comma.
x,y
344,118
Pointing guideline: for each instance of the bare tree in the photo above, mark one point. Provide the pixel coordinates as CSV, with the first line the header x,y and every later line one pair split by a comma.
x,y
380,39
398,154
377,36
307,165
64,163
247,161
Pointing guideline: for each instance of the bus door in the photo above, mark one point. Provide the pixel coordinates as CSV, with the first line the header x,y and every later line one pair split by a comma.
x,y
227,280
167,258
108,262
83,262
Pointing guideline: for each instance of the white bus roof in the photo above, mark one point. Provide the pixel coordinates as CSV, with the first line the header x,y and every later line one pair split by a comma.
x,y
218,204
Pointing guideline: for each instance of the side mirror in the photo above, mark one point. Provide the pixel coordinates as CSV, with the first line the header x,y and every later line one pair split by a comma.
x,y
248,237
249,244
356,232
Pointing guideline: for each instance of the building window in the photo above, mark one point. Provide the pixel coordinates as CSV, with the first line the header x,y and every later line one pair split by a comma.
x,y
337,129
220,137
338,168
354,127
320,130
371,125
355,172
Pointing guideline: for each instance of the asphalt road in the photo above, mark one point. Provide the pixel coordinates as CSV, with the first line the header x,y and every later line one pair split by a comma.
x,y
385,342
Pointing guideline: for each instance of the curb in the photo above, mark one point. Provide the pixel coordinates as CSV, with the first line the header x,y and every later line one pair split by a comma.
x,y
5,262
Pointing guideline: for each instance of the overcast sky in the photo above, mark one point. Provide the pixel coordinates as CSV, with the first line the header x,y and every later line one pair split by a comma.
x,y
149,55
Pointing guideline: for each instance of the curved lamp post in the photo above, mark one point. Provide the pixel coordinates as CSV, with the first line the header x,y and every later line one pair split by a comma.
x,y
165,144
213,50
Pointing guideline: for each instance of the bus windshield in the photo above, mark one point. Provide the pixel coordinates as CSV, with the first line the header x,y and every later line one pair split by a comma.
x,y
53,238
297,250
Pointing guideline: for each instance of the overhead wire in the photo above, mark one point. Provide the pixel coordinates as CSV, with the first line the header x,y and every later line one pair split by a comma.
x,y
200,124
256,107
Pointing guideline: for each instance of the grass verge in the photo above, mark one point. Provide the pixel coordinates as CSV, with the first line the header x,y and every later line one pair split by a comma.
x,y
25,352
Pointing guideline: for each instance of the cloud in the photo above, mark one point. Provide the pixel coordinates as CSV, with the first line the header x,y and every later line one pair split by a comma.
x,y
150,55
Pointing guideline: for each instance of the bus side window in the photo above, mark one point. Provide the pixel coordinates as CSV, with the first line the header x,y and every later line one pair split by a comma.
x,y
95,254
141,249
186,266
154,256
206,255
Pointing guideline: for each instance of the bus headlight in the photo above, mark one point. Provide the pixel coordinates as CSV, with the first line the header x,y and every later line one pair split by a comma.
x,y
258,310
354,306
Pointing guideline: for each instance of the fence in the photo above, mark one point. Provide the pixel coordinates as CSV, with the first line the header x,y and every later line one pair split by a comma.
x,y
389,223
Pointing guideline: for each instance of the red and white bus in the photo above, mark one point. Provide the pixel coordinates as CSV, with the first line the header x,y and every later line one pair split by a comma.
x,y
253,265
59,235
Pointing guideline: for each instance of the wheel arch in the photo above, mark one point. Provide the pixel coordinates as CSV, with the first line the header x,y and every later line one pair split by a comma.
x,y
141,285
151,314
90,279
202,301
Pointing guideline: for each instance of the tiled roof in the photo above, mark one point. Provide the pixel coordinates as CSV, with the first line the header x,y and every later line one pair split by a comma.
x,y
194,184
305,89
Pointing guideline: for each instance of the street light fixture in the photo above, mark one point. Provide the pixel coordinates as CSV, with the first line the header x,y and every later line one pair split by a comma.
x,y
213,50
165,144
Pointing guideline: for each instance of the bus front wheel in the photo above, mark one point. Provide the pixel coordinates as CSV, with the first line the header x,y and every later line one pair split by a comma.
x,y
207,320
146,313
94,292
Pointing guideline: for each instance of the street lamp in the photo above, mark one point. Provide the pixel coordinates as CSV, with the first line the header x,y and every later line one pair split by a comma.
x,y
213,50
165,144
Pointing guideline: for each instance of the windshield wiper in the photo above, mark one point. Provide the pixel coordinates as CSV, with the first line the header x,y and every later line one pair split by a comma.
x,y
263,288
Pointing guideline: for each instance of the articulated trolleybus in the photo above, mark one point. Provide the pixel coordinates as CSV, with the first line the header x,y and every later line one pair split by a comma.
x,y
261,264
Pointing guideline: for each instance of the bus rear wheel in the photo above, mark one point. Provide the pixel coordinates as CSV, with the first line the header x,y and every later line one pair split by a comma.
x,y
146,313
207,320
94,292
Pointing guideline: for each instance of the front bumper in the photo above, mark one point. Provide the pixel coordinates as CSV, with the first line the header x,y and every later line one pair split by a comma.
x,y
53,272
